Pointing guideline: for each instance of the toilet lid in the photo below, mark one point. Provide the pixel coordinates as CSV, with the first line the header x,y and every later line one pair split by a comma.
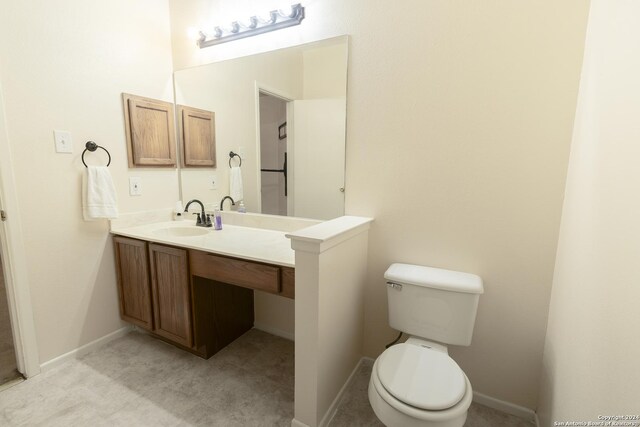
x,y
421,377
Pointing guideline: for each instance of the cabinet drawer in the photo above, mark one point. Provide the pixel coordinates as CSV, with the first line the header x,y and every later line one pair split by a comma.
x,y
288,282
235,272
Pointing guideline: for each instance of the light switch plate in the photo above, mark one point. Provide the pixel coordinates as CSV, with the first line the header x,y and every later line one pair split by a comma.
x,y
64,143
135,186
213,182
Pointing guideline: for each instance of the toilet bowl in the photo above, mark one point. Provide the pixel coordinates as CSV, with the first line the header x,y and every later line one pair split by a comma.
x,y
417,384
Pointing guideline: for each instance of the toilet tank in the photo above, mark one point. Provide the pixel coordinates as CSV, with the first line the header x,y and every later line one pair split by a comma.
x,y
433,303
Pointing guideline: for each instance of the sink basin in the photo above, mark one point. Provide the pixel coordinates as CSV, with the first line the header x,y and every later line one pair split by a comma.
x,y
181,231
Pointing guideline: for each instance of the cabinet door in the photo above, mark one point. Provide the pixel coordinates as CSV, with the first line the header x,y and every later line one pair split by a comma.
x,y
149,129
197,136
132,267
171,294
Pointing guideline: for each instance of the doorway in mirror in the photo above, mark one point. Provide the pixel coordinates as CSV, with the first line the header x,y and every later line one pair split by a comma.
x,y
273,154
302,156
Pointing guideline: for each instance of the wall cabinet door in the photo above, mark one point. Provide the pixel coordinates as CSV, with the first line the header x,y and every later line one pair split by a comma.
x,y
197,136
132,266
171,293
149,129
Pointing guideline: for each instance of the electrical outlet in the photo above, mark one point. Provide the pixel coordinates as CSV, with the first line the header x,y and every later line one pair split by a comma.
x,y
213,182
135,186
64,144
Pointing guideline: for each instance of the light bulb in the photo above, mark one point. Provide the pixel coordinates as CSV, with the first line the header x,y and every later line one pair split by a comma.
x,y
193,33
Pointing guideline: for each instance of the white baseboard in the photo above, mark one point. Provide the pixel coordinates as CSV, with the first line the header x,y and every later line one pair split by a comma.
x,y
274,331
506,407
81,351
296,423
331,412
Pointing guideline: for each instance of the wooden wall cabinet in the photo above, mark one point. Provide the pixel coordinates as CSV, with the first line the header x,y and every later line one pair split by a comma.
x,y
197,136
150,131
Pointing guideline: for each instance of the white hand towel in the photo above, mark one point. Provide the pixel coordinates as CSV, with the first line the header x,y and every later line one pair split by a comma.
x,y
235,184
99,198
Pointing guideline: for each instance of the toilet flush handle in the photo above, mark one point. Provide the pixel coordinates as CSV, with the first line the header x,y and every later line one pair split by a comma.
x,y
396,286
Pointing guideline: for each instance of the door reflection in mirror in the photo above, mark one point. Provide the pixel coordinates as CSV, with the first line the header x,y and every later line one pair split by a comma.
x,y
273,152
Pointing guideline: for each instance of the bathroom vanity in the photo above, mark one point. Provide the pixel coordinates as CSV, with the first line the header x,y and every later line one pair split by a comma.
x,y
193,286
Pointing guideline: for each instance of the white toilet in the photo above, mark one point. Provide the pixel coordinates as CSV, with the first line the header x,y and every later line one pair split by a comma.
x,y
417,384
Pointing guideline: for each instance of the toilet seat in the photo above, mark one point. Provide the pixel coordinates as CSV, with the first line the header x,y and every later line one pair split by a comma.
x,y
394,413
421,377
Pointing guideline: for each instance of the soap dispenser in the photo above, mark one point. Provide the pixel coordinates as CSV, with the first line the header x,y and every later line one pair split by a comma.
x,y
177,213
217,219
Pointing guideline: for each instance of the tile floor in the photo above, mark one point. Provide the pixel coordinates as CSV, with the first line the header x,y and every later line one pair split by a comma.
x,y
354,409
137,380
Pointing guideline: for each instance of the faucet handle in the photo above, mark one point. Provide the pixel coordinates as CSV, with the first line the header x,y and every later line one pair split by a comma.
x,y
198,219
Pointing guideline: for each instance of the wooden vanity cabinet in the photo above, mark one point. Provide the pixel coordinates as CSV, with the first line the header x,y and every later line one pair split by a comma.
x,y
154,288
288,288
247,274
134,287
222,313
194,299
171,293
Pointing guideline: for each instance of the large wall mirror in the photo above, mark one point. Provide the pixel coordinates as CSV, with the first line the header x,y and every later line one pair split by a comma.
x,y
280,110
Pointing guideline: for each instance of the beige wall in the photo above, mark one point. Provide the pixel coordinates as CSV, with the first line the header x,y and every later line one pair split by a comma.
x,y
323,77
63,65
459,122
593,344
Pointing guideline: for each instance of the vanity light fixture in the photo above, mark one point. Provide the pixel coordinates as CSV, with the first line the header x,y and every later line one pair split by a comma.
x,y
239,30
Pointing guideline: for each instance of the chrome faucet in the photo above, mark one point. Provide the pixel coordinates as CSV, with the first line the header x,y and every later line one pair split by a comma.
x,y
203,219
225,198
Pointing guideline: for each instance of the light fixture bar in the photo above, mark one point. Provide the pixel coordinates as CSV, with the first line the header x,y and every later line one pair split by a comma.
x,y
277,20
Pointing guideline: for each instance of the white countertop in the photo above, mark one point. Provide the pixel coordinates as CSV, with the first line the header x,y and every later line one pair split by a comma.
x,y
254,244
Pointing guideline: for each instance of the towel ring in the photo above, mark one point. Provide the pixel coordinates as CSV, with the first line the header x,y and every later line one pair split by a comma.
x,y
92,146
232,155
